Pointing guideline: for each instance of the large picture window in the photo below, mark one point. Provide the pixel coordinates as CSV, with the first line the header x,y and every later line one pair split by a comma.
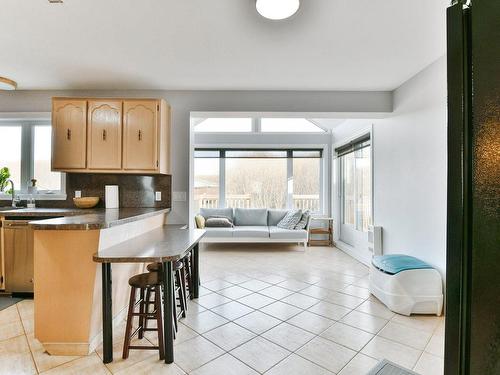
x,y
257,178
26,151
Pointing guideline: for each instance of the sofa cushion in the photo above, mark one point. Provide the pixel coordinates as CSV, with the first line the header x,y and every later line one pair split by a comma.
x,y
218,222
250,216
275,216
200,221
287,234
252,231
216,232
304,220
291,219
217,212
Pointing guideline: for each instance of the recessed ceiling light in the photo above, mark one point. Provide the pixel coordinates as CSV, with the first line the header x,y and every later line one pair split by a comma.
x,y
7,84
277,9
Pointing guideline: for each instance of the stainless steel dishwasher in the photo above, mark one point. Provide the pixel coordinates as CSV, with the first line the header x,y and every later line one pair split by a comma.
x,y
18,255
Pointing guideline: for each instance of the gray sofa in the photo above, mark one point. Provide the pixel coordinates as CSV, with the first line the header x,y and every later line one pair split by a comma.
x,y
252,225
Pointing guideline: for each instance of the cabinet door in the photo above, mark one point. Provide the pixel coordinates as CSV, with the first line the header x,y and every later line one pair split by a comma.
x,y
18,252
140,126
105,134
69,134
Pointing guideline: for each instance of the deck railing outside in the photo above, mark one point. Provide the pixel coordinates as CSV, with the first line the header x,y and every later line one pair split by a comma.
x,y
304,202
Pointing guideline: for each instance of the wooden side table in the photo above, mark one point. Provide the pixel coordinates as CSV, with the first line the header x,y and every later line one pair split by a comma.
x,y
324,230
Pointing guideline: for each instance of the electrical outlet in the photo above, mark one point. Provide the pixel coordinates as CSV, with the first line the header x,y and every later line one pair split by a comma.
x,y
78,193
157,196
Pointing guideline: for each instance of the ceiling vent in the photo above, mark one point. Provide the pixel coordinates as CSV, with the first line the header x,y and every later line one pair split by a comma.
x,y
56,1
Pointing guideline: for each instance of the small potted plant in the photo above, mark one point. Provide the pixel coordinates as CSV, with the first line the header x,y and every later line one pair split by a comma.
x,y
4,177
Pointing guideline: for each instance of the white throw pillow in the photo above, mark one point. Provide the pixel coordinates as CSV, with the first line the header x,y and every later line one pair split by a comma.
x,y
290,220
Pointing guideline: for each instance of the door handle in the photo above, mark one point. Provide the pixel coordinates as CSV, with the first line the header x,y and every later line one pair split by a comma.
x,y
104,135
68,134
140,135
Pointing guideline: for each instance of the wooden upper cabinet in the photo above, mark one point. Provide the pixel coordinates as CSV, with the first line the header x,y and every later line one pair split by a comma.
x,y
104,150
117,135
69,134
140,135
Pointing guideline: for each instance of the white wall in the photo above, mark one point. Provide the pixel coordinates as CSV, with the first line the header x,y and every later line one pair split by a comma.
x,y
410,168
184,102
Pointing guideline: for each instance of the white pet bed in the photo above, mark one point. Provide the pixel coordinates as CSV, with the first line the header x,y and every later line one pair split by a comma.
x,y
406,285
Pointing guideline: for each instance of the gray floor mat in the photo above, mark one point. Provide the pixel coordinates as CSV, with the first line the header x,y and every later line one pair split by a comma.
x,y
8,301
386,367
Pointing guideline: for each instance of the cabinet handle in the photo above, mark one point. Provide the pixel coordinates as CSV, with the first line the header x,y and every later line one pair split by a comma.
x,y
68,134
140,135
104,135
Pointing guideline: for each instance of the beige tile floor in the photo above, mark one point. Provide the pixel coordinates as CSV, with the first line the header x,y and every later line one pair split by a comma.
x,y
264,309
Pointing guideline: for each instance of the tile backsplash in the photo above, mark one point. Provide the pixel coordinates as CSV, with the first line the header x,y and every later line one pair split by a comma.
x,y
135,190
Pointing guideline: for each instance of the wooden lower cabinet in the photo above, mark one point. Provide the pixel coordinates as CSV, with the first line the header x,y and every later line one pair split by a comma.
x,y
18,255
119,135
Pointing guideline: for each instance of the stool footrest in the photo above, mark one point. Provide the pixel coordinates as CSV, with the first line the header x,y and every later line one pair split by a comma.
x,y
144,347
146,315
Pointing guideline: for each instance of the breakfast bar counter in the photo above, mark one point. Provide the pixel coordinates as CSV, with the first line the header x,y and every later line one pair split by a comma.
x,y
163,245
67,281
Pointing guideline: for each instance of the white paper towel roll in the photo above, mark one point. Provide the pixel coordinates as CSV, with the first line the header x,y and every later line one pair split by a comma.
x,y
111,195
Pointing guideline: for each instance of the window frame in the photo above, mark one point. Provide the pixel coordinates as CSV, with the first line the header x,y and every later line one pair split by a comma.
x,y
351,147
289,157
256,127
28,163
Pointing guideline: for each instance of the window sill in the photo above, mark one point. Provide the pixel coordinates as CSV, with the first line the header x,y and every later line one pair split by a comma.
x,y
38,197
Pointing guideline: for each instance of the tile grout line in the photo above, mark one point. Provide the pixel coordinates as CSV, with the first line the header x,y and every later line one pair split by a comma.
x,y
26,338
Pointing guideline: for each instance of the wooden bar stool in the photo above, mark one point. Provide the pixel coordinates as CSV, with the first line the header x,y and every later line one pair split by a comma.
x,y
146,283
179,289
187,260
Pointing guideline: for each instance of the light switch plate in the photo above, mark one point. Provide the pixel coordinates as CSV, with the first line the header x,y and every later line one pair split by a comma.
x,y
157,196
78,193
179,196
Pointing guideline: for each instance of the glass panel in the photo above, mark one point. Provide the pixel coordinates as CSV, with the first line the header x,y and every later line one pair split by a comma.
x,y
206,153
306,183
363,188
228,125
206,183
256,154
46,179
10,152
356,189
288,125
307,154
348,204
256,183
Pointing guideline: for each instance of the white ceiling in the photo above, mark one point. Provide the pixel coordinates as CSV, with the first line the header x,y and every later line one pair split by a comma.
x,y
218,44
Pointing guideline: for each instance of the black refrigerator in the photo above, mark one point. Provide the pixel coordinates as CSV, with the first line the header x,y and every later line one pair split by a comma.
x,y
472,337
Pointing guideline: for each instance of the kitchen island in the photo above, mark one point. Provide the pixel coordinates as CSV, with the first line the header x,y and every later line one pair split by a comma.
x,y
67,282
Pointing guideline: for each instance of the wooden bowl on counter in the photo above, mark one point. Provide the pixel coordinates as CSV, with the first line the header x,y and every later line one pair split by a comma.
x,y
86,202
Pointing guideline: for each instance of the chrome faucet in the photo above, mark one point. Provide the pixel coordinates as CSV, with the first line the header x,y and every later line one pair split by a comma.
x,y
15,200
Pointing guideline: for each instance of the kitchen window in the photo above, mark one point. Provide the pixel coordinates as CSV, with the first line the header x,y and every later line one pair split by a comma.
x,y
26,150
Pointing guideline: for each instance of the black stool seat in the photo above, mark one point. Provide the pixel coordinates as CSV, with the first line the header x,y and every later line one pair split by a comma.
x,y
144,280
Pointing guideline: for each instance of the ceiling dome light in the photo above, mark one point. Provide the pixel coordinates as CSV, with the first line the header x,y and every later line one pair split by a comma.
x,y
7,84
277,9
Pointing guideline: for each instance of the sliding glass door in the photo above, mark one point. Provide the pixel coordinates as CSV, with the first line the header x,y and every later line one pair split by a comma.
x,y
355,190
